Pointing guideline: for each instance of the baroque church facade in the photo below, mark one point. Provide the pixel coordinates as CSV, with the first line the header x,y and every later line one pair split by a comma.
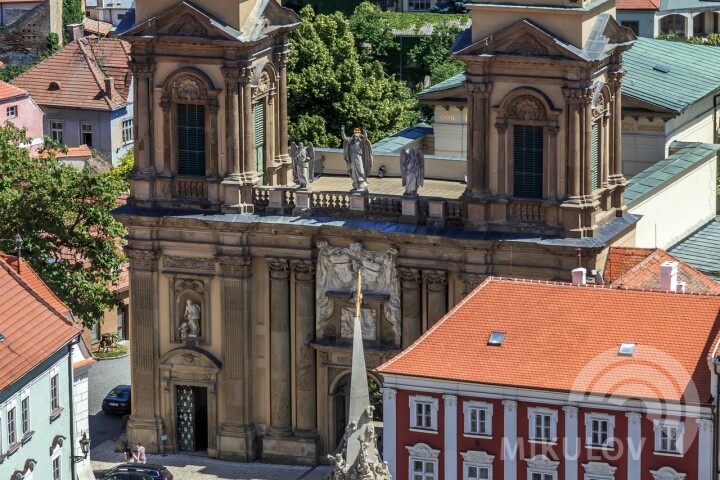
x,y
242,302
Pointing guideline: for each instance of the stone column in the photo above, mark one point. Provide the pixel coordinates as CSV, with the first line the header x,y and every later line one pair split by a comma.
x,y
502,158
213,155
145,424
478,155
248,121
573,140
571,453
390,428
305,384
280,395
587,143
411,327
616,79
634,447
705,448
237,433
281,59
470,87
166,104
450,441
436,287
552,161
510,450
144,169
233,125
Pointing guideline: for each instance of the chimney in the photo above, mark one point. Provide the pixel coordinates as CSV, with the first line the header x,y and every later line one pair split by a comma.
x,y
578,276
109,86
668,276
75,31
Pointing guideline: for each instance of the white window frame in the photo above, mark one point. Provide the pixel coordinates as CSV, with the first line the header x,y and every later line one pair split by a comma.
x,y
12,407
599,471
424,453
55,371
25,395
553,424
541,465
57,455
477,459
127,130
53,130
14,109
603,417
91,131
658,425
434,406
474,405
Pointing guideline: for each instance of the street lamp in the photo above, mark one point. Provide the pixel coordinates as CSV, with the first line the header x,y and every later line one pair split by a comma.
x,y
18,245
84,447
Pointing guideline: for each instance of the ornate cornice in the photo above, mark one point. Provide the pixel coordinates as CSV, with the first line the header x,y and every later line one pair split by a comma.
x,y
542,463
188,263
304,270
142,70
667,473
235,266
480,90
582,96
409,278
481,458
599,468
509,405
450,400
422,450
279,268
436,280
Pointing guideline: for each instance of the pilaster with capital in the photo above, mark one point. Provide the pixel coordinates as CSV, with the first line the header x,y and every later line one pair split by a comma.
x,y
634,428
616,78
510,436
305,363
233,124
572,445
390,428
280,394
281,59
436,288
705,447
411,327
248,130
578,101
478,158
143,91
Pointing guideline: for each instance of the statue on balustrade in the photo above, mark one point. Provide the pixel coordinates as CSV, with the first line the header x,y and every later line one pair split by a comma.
x,y
358,154
412,170
303,159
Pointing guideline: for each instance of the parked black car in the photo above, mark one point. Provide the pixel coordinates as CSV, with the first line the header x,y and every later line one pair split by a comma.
x,y
127,476
118,400
154,472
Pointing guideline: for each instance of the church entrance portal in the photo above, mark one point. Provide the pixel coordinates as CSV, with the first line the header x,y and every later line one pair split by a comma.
x,y
192,418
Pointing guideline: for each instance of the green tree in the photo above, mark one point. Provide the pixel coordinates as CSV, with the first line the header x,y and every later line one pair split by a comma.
x,y
328,86
374,39
121,173
69,236
450,6
72,13
432,54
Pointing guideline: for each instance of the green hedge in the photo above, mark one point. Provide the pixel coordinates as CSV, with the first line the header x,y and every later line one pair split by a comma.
x,y
404,20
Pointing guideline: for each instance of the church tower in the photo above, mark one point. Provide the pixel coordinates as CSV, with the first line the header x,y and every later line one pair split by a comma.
x,y
544,95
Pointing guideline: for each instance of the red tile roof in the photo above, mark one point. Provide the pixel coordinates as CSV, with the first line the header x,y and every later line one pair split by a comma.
x,y
74,77
637,4
564,337
79,151
34,322
639,268
10,91
96,26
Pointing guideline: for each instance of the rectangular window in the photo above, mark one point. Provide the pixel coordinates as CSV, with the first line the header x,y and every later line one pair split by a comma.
x,y
56,472
542,427
423,470
12,111
599,432
632,25
86,134
528,161
669,439
476,472
543,476
423,412
259,115
54,392
191,139
478,421
127,131
595,160
25,415
11,432
423,415
56,131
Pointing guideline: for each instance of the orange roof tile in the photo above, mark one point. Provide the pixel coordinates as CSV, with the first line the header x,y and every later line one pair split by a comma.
x,y
74,77
34,322
79,151
564,337
10,91
639,268
96,26
637,4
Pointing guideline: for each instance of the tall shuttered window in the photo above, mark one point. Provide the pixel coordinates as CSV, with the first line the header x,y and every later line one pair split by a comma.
x,y
259,114
191,139
528,158
595,160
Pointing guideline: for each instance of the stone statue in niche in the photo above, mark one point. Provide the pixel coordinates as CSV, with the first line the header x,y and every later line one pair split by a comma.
x,y
303,159
358,154
190,327
412,170
337,269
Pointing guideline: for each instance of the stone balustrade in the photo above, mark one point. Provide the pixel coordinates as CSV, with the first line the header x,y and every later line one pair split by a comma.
x,y
190,188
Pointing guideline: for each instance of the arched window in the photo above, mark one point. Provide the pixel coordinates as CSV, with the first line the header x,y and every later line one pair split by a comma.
x,y
673,24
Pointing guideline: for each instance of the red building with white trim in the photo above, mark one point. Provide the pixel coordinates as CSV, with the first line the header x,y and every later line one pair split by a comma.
x,y
555,381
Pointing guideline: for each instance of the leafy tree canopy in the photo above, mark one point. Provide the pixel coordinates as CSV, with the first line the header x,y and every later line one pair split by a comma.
x,y
328,86
373,33
63,216
450,6
72,12
712,39
431,54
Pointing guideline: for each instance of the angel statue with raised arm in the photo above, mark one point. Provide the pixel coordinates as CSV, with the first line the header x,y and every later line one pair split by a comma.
x,y
357,151
303,160
412,170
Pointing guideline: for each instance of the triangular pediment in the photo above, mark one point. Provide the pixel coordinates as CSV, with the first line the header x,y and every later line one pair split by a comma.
x,y
523,38
186,20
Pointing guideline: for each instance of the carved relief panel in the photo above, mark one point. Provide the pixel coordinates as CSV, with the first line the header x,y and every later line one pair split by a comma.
x,y
336,284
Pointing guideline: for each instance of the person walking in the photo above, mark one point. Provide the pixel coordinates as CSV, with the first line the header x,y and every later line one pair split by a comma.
x,y
129,455
141,453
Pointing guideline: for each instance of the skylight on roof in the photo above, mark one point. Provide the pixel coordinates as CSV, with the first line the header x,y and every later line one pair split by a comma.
x,y
496,339
661,68
627,349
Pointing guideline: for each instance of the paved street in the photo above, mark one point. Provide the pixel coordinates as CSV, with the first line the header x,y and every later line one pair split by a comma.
x,y
104,375
195,467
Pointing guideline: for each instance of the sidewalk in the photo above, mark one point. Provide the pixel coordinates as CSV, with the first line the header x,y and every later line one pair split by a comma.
x,y
195,467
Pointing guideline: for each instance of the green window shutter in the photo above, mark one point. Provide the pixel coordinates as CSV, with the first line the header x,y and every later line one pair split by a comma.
x,y
595,160
528,161
191,139
259,114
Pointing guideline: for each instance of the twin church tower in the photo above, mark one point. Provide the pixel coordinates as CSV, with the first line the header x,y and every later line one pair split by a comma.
x,y
266,372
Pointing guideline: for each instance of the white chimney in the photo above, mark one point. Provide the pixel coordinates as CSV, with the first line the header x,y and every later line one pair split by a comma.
x,y
578,276
668,276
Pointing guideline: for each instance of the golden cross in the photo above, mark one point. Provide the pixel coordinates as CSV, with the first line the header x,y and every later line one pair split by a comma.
x,y
358,297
